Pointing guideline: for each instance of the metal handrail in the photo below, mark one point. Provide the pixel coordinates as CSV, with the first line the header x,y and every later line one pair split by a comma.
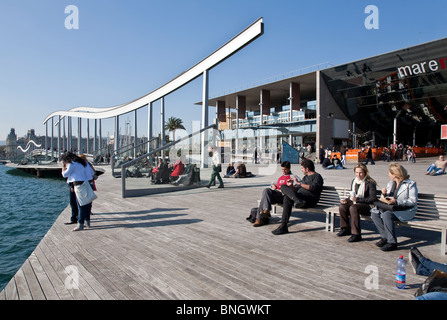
x,y
130,146
133,161
115,153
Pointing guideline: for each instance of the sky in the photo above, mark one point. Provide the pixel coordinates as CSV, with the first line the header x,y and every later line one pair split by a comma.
x,y
123,50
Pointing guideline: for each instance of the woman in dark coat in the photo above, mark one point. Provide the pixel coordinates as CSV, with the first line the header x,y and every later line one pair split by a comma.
x,y
362,196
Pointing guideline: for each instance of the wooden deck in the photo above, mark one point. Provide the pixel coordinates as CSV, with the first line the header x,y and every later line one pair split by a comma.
x,y
197,245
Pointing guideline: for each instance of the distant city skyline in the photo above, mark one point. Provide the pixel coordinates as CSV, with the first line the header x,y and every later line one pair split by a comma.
x,y
122,51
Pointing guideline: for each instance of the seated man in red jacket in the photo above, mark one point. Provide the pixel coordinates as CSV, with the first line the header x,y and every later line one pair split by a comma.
x,y
300,193
272,195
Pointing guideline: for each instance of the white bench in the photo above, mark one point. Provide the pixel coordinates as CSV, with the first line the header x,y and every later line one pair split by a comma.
x,y
329,201
431,215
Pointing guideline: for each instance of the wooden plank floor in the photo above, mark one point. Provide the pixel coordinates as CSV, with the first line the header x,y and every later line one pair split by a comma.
x,y
197,245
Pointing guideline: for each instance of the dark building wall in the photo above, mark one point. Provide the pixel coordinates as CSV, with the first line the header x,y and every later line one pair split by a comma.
x,y
328,111
409,84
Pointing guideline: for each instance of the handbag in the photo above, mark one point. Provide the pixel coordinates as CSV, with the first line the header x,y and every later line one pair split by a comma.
x,y
84,193
436,282
389,207
253,214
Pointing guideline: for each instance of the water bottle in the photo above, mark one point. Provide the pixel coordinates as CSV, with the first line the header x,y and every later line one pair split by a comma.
x,y
400,273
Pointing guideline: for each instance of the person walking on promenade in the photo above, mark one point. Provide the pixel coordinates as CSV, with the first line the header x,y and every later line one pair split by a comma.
x,y
362,197
400,203
271,196
216,169
300,194
369,156
75,169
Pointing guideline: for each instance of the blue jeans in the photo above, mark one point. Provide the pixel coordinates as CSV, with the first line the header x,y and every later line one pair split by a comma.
x,y
426,267
434,168
432,296
84,215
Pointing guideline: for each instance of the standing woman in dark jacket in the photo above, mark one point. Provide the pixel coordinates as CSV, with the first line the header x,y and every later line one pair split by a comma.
x,y
362,197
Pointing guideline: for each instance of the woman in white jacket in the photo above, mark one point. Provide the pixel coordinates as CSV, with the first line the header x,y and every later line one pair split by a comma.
x,y
76,170
402,193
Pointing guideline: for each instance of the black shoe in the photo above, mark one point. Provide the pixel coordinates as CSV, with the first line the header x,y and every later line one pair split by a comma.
x,y
417,253
220,186
415,257
389,247
208,186
280,230
251,219
299,204
355,238
70,222
344,232
381,243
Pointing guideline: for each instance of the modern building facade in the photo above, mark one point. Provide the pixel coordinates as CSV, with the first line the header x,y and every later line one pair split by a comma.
x,y
396,97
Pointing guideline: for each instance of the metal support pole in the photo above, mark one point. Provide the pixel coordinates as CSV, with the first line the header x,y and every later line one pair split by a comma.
x,y
59,139
117,125
204,151
100,136
257,136
88,136
79,135
95,138
162,125
162,122
46,141
149,126
395,131
64,136
69,134
135,134
52,138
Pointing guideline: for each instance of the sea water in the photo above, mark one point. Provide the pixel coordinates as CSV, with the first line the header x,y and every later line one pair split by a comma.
x,y
28,208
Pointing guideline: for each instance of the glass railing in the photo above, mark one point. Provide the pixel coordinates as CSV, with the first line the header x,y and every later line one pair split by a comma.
x,y
127,153
179,165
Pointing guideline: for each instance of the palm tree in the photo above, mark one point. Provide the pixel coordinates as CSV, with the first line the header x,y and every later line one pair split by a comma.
x,y
173,124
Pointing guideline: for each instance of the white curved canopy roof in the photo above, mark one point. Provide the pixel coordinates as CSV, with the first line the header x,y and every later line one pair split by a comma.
x,y
252,32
